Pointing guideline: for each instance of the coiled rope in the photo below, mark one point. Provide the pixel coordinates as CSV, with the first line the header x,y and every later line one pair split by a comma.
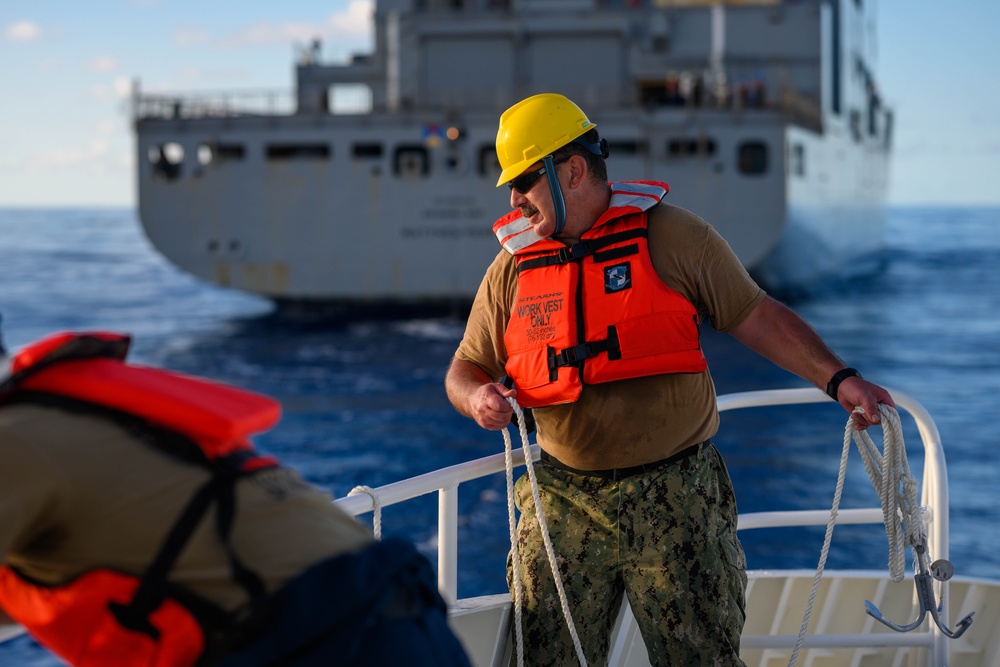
x,y
543,527
897,490
377,508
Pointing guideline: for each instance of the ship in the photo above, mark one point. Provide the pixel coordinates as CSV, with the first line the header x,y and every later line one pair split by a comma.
x,y
374,181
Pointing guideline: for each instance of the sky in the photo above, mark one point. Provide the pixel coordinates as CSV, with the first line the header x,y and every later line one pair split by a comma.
x,y
67,68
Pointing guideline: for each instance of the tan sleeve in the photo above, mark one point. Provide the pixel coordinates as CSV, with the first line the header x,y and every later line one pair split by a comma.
x,y
29,493
483,343
692,258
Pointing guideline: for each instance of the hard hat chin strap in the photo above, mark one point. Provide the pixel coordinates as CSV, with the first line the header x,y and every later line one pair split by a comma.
x,y
557,197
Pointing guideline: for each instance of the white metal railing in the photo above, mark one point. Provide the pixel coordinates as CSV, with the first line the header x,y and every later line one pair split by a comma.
x,y
934,496
445,483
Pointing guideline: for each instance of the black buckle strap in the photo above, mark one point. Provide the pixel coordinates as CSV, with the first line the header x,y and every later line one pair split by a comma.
x,y
152,590
576,251
572,355
586,248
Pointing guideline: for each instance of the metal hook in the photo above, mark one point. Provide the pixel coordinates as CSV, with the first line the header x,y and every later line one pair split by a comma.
x,y
924,578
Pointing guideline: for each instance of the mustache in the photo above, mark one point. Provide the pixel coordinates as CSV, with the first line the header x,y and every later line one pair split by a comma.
x,y
528,210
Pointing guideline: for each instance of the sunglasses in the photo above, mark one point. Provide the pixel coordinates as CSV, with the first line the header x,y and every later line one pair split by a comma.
x,y
525,182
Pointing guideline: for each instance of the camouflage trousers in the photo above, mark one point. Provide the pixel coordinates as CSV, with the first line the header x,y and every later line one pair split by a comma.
x,y
665,538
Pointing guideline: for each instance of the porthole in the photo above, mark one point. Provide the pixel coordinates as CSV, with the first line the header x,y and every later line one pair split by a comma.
x,y
752,157
411,162
488,164
166,160
205,154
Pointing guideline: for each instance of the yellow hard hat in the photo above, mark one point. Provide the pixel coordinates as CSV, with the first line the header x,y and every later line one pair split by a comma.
x,y
533,128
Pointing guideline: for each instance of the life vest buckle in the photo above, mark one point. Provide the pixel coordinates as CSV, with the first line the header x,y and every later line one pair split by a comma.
x,y
576,251
577,353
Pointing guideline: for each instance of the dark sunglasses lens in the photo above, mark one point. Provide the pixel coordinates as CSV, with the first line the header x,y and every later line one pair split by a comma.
x,y
524,182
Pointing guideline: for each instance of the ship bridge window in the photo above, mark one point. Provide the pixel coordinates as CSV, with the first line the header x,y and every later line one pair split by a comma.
x,y
166,160
628,148
411,161
799,160
366,150
700,146
230,151
751,157
487,162
349,98
298,152
210,152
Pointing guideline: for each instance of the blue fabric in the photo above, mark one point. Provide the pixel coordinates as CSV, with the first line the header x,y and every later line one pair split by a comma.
x,y
376,607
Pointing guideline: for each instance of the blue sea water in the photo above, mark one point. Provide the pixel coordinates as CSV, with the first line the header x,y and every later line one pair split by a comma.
x,y
364,402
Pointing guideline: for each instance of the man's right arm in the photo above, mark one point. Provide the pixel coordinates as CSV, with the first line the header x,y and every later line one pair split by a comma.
x,y
474,394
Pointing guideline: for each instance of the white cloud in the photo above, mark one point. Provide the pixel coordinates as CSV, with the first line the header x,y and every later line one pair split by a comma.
x,y
102,64
122,87
106,127
101,92
189,34
269,34
118,89
354,21
70,156
23,31
189,74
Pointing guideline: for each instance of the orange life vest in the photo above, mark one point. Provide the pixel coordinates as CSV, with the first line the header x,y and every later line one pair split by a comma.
x,y
596,311
108,618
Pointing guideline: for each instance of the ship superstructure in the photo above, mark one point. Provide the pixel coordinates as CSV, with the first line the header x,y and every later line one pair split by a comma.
x,y
375,181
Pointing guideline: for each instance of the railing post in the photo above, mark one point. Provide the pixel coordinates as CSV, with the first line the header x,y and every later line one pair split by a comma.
x,y
448,543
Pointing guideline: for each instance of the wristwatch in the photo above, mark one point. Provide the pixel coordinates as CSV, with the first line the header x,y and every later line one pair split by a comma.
x,y
833,386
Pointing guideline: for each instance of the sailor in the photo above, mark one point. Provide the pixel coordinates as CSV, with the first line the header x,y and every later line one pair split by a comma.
x,y
139,527
592,309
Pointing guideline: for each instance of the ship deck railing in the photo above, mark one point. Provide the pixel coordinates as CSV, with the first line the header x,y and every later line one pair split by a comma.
x,y
789,104
934,496
213,105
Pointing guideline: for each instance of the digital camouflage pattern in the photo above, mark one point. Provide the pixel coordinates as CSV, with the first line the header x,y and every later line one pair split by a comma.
x,y
666,538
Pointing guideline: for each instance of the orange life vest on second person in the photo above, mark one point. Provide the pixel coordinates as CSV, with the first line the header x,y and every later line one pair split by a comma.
x,y
105,618
596,311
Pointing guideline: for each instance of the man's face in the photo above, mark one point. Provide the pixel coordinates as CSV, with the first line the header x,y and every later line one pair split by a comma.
x,y
530,193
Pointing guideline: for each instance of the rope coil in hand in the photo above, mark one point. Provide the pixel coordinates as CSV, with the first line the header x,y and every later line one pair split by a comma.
x,y
542,527
889,473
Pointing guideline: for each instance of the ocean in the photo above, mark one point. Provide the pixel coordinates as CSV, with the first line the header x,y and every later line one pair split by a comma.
x,y
364,401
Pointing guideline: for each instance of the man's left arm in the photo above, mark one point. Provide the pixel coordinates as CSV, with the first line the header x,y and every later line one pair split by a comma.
x,y
778,334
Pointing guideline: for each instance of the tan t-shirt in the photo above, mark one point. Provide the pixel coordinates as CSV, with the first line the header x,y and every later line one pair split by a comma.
x,y
630,422
78,491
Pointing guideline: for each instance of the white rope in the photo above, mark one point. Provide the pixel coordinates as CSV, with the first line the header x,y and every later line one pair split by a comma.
x,y
377,506
543,527
897,489
512,522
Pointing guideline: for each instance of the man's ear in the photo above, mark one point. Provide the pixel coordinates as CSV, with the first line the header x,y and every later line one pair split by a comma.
x,y
577,170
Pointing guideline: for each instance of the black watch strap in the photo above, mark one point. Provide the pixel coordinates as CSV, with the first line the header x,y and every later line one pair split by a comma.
x,y
833,386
